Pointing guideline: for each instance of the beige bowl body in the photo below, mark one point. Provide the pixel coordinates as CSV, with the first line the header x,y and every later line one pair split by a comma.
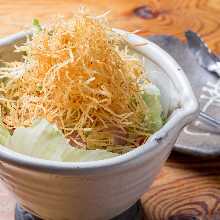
x,y
100,190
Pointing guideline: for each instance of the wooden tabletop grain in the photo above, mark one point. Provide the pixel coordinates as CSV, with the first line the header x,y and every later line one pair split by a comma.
x,y
187,188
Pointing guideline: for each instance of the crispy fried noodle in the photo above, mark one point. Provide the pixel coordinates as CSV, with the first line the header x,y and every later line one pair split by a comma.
x,y
79,74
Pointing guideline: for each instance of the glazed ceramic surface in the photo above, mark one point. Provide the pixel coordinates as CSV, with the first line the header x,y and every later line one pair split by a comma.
x,y
100,190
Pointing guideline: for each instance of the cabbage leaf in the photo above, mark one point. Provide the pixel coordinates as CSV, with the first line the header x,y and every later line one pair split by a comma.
x,y
44,140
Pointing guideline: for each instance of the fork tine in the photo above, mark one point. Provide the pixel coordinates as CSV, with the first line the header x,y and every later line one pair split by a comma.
x,y
209,120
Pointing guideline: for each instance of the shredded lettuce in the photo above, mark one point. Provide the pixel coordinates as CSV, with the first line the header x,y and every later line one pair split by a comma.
x,y
151,96
44,140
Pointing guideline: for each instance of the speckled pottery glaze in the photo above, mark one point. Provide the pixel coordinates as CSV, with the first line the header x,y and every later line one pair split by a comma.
x,y
100,190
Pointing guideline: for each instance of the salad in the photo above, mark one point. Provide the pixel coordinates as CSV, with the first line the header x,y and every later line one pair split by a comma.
x,y
79,93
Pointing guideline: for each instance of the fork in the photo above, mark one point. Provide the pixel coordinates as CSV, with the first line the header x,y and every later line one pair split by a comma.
x,y
208,60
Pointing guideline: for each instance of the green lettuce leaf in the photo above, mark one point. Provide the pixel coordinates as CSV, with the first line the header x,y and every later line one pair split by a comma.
x,y
151,97
44,140
36,25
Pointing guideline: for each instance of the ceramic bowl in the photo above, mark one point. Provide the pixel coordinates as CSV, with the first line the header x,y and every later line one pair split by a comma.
x,y
100,190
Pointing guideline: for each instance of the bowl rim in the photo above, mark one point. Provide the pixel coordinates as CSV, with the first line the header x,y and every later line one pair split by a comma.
x,y
183,115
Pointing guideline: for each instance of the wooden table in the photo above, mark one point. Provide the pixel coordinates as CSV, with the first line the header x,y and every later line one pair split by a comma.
x,y
187,188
